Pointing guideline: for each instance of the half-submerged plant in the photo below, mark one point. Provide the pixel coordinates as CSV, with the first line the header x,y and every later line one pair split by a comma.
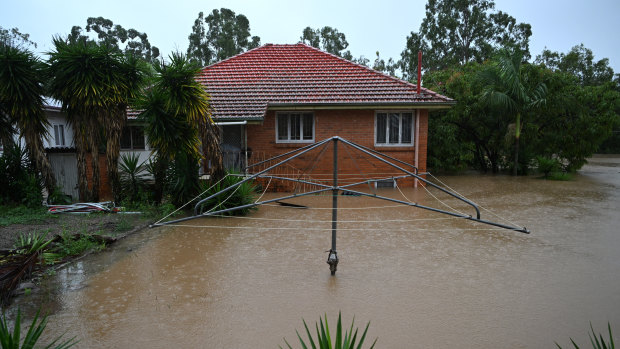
x,y
323,337
12,339
594,340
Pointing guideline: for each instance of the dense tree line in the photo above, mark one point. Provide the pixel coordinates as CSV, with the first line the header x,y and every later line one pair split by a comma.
x,y
512,112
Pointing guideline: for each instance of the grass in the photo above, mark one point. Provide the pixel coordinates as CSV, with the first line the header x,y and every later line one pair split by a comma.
x,y
23,215
73,245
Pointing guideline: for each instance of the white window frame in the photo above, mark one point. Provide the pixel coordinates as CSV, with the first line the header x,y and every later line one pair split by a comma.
x,y
301,128
132,146
400,123
57,128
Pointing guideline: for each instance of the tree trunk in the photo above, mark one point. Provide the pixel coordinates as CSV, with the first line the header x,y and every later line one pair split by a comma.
x,y
81,145
37,153
516,168
113,133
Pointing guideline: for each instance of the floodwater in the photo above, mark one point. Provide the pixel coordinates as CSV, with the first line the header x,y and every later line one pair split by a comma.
x,y
422,279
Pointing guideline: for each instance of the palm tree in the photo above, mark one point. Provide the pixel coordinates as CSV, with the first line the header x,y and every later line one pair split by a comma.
x,y
21,105
177,114
510,88
95,84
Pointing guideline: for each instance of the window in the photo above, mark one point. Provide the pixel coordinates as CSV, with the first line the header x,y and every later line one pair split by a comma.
x,y
394,129
132,138
59,135
294,127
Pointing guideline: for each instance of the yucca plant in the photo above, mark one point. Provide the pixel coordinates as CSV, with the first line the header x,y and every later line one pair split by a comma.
x,y
597,342
12,339
31,242
244,194
323,337
132,175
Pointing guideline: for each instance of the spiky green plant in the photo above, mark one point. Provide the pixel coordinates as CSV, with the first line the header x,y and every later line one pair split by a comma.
x,y
597,342
348,340
244,194
31,242
132,175
12,339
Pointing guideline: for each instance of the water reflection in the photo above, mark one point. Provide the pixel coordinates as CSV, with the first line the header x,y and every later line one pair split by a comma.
x,y
426,280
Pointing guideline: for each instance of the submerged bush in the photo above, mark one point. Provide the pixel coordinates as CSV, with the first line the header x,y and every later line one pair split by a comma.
x,y
244,194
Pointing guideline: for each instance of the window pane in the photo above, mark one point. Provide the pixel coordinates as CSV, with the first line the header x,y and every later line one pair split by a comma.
x,y
126,138
137,137
394,127
282,127
61,129
406,132
56,136
295,127
381,128
308,123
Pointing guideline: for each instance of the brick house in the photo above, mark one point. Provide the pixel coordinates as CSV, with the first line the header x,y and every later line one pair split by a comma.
x,y
276,98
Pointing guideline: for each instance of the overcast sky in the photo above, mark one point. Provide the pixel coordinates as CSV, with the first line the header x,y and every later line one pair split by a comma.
x,y
369,26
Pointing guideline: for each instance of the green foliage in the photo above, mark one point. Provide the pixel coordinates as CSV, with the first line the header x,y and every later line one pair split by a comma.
x,y
243,194
13,37
107,33
57,197
74,245
327,39
226,34
95,84
22,215
597,342
18,183
560,176
456,32
12,339
578,62
132,176
323,339
547,165
21,106
32,242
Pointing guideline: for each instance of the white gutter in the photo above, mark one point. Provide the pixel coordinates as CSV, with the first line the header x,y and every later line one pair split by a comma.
x,y
229,123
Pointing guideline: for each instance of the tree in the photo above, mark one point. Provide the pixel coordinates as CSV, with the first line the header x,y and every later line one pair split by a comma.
x,y
510,87
107,33
95,83
381,65
579,62
14,38
327,39
177,112
226,34
21,105
460,31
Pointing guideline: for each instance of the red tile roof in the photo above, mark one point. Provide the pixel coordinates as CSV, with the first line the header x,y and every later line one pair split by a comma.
x,y
245,86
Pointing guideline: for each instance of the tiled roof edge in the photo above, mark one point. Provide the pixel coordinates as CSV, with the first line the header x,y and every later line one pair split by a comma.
x,y
377,72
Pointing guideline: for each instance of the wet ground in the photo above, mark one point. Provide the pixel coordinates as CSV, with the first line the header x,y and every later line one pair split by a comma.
x,y
424,280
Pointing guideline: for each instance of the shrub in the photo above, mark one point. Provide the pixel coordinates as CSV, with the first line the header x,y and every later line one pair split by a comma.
x,y
547,165
132,176
244,194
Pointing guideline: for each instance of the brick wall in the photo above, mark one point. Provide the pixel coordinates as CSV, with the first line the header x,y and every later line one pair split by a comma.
x,y
105,190
354,125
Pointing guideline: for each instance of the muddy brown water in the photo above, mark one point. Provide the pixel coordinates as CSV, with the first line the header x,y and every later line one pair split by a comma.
x,y
424,280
